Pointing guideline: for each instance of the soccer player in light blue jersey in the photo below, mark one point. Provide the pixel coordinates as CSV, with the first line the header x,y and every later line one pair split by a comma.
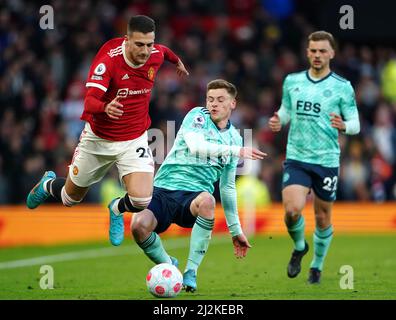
x,y
206,149
319,105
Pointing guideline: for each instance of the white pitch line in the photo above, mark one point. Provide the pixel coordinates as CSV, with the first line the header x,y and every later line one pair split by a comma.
x,y
94,253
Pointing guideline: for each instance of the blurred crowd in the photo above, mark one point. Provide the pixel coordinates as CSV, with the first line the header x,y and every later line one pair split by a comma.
x,y
253,44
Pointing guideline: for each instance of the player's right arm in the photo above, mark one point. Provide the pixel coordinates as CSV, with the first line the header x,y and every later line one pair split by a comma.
x,y
98,81
93,104
193,128
282,116
228,197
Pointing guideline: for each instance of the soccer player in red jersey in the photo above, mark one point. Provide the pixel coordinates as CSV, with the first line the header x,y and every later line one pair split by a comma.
x,y
116,106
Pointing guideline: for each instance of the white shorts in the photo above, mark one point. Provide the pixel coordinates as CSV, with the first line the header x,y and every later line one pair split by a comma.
x,y
94,156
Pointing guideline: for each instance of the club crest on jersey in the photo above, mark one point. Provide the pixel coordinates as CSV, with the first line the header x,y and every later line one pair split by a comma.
x,y
100,69
199,122
327,93
150,73
75,170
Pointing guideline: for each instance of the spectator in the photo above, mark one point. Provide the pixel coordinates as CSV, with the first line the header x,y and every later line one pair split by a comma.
x,y
253,44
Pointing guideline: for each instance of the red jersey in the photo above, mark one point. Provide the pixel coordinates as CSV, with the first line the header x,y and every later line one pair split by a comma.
x,y
114,74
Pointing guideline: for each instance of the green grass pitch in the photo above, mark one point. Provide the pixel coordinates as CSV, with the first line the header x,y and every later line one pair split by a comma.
x,y
99,271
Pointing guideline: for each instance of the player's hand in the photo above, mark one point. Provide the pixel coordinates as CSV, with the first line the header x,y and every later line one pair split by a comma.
x,y
251,153
337,122
114,108
274,123
181,69
241,245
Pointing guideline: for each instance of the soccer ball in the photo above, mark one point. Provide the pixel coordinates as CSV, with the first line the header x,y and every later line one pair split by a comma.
x,y
164,280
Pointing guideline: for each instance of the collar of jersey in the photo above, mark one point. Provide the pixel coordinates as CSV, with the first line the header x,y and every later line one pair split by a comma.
x,y
228,126
127,61
317,81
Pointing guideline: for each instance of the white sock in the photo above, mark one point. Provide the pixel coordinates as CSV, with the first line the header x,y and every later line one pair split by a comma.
x,y
115,207
45,186
67,201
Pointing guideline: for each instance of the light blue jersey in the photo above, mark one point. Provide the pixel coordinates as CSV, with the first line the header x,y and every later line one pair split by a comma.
x,y
307,103
183,170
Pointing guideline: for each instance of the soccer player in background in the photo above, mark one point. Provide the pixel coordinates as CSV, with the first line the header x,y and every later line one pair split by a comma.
x,y
206,149
116,106
319,104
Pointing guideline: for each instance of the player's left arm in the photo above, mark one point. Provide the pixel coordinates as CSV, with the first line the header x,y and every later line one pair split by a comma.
x,y
170,56
348,122
229,201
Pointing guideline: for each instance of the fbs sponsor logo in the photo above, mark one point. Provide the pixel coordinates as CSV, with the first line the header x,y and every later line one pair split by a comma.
x,y
308,106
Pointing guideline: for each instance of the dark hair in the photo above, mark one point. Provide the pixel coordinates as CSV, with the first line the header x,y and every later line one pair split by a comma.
x,y
222,84
141,24
323,35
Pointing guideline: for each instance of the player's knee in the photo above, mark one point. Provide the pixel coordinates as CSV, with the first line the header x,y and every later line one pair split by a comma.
x,y
137,223
67,200
207,205
139,203
141,224
320,215
292,215
291,219
293,210
322,219
323,211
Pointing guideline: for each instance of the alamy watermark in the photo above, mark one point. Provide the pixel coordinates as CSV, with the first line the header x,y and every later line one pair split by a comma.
x,y
346,281
347,20
160,147
47,19
47,280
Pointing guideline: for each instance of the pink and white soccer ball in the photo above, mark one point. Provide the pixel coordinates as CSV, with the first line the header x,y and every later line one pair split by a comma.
x,y
164,280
